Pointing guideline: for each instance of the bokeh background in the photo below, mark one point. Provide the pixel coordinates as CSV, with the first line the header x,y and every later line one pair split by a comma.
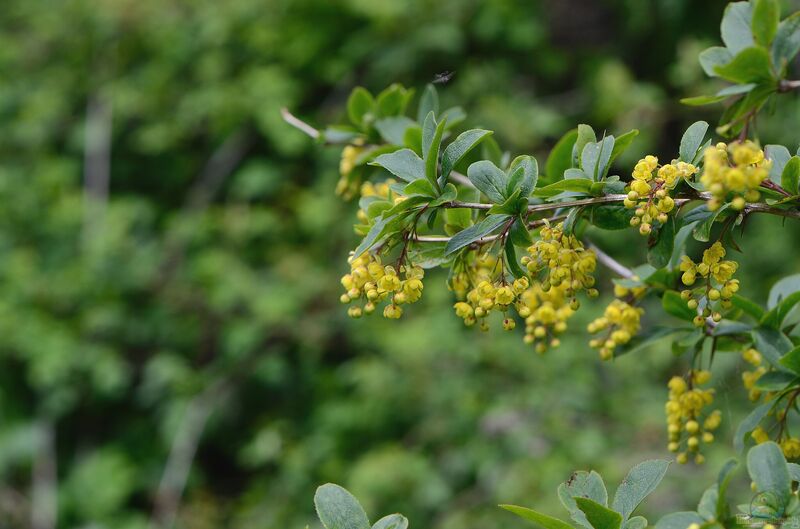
x,y
172,348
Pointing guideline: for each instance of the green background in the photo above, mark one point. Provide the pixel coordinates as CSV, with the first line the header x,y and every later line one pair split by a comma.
x,y
200,299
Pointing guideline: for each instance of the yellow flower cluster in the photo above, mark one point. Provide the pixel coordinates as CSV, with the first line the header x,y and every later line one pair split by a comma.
x,y
371,281
561,268
759,435
546,313
347,186
684,410
561,259
749,378
791,447
733,173
620,321
648,193
487,297
719,286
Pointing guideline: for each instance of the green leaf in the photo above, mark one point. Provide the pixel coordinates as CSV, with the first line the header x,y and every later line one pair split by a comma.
x,y
375,233
712,57
519,233
679,520
584,485
786,43
702,230
723,479
404,164
782,289
661,244
771,343
751,65
637,522
391,521
585,135
523,173
431,142
545,521
428,102
393,129
475,232
560,158
766,15
774,318
679,246
749,424
790,177
780,157
735,27
698,101
420,187
707,508
794,471
578,185
453,116
338,509
736,89
621,143
674,305
360,107
775,380
751,308
767,468
455,152
449,193
599,516
489,179
637,485
511,259
791,360
513,205
393,100
691,140
610,216
595,157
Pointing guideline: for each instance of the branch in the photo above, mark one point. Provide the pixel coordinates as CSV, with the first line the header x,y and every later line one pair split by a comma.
x,y
787,85
96,164
609,262
299,124
221,164
182,452
489,238
44,493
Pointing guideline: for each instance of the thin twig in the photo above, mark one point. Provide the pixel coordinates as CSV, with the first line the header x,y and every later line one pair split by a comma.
x,y
609,262
96,164
788,85
44,493
489,238
182,452
299,124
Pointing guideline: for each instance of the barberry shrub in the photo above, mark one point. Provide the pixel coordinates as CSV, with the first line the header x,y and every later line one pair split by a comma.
x,y
516,242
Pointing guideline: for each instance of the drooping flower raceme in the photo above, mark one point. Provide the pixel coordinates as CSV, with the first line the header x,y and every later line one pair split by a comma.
x,y
372,283
718,286
688,423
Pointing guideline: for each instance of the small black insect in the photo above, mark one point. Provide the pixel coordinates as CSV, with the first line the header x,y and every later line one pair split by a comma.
x,y
572,478
443,78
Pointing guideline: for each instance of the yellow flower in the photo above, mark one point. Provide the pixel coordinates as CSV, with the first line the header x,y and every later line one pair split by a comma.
x,y
734,172
684,409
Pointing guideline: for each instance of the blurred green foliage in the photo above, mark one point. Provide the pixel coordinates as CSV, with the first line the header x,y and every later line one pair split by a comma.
x,y
126,322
